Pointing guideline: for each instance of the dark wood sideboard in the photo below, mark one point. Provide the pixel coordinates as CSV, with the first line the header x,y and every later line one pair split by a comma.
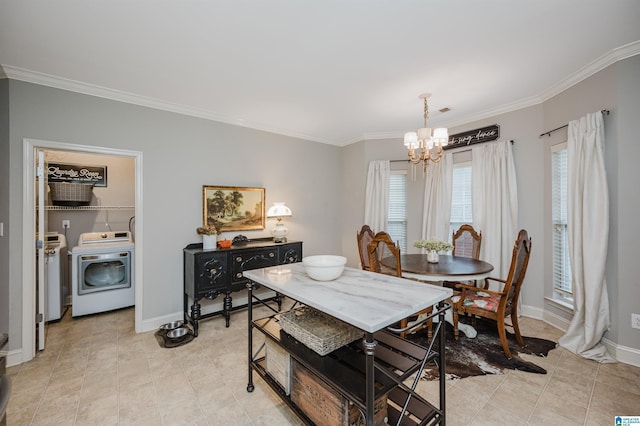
x,y
212,273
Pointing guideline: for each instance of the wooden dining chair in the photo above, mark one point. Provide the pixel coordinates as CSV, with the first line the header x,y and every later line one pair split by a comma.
x,y
383,247
364,237
466,242
497,305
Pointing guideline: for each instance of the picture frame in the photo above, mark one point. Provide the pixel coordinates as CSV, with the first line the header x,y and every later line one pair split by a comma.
x,y
233,208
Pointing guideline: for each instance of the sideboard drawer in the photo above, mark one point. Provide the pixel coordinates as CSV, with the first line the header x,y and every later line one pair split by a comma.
x,y
252,259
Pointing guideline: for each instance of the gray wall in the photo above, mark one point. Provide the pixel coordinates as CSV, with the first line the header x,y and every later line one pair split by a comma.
x,y
623,270
180,154
4,206
615,88
324,185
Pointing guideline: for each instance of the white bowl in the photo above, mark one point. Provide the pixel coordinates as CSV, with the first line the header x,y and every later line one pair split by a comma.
x,y
324,267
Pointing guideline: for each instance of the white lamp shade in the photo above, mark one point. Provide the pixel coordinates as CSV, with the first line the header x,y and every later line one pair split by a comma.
x,y
441,136
411,140
278,210
424,134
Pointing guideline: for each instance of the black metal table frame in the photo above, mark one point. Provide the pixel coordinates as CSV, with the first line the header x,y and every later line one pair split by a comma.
x,y
369,345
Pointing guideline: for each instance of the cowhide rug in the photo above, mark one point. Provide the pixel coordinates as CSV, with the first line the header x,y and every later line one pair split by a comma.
x,y
483,354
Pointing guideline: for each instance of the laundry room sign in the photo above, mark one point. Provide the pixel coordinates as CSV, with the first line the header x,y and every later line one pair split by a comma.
x,y
74,173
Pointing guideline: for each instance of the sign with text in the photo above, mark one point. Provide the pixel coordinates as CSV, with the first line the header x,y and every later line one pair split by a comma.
x,y
484,134
73,173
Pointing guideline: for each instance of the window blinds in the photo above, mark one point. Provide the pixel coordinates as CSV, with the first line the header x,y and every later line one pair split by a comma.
x,y
397,218
461,196
561,267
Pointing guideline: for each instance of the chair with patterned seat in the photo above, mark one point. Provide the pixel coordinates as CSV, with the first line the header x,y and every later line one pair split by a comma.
x,y
497,305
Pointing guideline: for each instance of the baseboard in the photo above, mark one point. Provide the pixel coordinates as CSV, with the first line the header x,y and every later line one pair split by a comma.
x,y
532,312
14,357
621,353
207,306
154,323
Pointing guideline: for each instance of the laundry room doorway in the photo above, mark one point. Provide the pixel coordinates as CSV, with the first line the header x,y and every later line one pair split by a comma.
x,y
113,203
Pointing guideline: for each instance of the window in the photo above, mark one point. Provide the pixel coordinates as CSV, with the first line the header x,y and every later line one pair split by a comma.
x,y
397,216
461,196
561,268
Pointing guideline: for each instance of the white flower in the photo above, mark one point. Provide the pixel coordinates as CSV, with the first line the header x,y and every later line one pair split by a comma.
x,y
433,244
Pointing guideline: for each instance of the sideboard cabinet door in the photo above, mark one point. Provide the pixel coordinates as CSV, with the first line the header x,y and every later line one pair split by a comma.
x,y
206,274
290,253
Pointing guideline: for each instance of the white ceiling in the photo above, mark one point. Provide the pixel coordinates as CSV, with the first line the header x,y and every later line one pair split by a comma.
x,y
332,71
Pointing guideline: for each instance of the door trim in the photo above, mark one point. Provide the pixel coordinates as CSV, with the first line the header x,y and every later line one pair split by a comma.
x,y
29,233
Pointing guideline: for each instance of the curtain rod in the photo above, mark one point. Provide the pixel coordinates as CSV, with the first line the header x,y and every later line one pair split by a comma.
x,y
604,112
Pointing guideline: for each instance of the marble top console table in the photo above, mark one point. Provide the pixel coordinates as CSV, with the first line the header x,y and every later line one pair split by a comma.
x,y
368,301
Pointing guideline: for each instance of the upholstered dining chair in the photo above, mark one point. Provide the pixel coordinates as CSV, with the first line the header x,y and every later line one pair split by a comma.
x,y
497,305
383,247
364,237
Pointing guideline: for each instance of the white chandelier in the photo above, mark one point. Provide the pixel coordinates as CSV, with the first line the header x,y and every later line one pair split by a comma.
x,y
430,144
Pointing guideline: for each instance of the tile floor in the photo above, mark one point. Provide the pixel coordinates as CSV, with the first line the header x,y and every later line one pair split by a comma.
x,y
97,371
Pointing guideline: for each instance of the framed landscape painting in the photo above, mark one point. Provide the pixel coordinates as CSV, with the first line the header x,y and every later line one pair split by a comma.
x,y
233,208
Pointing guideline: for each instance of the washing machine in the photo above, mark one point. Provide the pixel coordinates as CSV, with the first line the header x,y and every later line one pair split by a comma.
x,y
102,277
57,281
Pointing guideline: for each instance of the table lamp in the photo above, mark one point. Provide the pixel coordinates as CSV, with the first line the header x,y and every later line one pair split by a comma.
x,y
279,211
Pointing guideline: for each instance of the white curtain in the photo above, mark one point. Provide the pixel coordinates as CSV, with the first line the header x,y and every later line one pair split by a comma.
x,y
588,227
437,199
494,199
376,202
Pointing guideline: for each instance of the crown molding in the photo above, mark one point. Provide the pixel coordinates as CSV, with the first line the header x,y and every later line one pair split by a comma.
x,y
28,76
15,73
610,58
462,121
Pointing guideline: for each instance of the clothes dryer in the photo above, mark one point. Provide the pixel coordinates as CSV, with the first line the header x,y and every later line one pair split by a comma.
x,y
102,276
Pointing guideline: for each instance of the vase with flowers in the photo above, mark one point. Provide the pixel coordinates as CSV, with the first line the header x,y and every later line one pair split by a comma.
x,y
434,248
209,235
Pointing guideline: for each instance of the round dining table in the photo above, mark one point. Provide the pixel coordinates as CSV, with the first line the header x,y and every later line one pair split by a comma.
x,y
448,268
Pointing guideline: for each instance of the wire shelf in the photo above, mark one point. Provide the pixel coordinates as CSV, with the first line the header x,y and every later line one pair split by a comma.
x,y
89,208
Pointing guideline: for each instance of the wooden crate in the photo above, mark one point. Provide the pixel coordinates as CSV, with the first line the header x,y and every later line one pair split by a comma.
x,y
278,363
323,405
